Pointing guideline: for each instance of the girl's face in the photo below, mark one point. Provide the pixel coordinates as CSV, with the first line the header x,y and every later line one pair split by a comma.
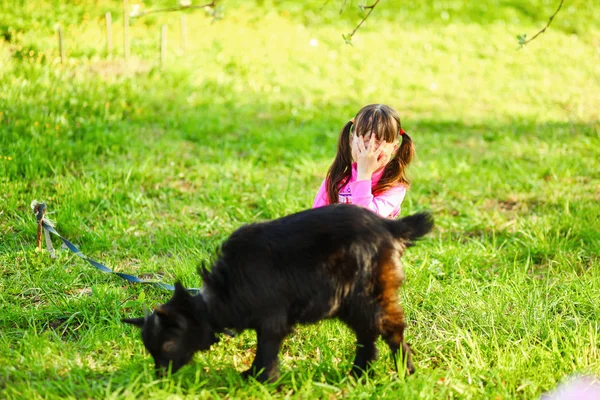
x,y
386,155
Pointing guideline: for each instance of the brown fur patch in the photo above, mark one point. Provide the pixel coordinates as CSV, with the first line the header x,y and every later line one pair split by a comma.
x,y
162,312
390,278
169,346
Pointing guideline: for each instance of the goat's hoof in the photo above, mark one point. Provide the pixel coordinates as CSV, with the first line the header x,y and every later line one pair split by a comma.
x,y
262,377
248,373
358,372
268,378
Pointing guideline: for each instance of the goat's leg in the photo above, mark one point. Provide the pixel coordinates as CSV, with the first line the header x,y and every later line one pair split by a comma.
x,y
265,366
254,368
359,315
366,353
393,334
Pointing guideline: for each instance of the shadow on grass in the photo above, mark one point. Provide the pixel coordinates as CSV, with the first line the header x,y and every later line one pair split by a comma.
x,y
194,379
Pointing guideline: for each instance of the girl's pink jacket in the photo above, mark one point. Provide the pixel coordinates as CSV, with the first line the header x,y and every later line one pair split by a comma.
x,y
386,204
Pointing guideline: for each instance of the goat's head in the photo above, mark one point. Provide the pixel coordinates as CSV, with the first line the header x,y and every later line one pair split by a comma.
x,y
176,330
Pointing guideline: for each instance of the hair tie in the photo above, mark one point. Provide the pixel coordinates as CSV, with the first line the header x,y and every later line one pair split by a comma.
x,y
352,121
402,132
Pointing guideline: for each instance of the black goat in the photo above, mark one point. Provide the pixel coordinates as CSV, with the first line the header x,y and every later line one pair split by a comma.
x,y
339,261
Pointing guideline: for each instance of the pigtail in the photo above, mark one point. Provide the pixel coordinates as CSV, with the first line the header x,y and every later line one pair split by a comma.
x,y
406,152
395,170
341,170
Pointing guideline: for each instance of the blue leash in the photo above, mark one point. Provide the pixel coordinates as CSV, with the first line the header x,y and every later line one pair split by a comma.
x,y
40,209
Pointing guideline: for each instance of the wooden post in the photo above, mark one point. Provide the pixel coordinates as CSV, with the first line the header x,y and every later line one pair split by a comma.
x,y
183,34
109,44
126,29
61,46
38,239
163,45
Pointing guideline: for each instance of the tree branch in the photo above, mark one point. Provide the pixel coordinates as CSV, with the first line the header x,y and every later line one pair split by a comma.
x,y
342,7
348,38
188,7
523,38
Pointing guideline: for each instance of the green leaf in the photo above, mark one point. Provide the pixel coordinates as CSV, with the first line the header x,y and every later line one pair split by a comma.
x,y
347,38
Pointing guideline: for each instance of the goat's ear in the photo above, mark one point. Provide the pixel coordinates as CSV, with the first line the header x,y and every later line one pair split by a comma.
x,y
139,322
181,293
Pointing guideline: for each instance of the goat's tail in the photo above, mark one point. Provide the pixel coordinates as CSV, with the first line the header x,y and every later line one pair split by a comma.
x,y
411,227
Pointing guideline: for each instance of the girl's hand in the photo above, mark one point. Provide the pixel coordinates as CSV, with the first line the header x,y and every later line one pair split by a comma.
x,y
368,159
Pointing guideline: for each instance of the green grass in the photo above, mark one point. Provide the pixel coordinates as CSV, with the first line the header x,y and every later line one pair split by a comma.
x,y
148,170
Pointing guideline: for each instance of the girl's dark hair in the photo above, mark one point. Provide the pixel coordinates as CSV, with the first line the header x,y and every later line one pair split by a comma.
x,y
385,122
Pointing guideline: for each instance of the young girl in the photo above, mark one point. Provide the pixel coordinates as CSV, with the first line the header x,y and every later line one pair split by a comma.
x,y
370,166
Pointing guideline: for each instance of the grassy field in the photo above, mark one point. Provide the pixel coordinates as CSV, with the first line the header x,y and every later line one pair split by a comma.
x,y
149,169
